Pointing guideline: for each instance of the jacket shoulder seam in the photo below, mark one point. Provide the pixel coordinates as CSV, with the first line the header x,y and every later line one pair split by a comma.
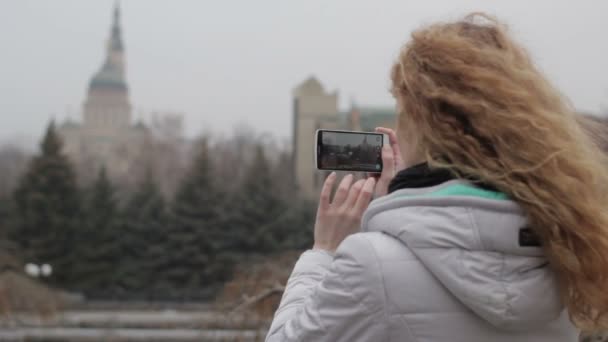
x,y
365,265
385,292
475,228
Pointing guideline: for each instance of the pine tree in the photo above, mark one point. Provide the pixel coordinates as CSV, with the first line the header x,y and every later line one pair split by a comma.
x,y
258,209
7,223
195,238
48,209
144,247
294,229
6,216
98,243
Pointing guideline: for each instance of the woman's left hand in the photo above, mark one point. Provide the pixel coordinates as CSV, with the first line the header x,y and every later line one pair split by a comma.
x,y
341,217
392,161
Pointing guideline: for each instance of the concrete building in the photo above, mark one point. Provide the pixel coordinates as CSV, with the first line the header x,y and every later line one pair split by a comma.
x,y
315,108
106,136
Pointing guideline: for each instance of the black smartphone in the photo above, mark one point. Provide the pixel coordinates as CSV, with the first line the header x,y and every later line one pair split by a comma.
x,y
349,151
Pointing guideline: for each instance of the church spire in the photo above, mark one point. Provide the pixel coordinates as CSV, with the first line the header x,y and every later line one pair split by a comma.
x,y
116,12
116,39
112,72
107,104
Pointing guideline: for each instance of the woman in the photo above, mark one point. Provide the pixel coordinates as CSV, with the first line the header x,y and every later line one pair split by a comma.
x,y
494,227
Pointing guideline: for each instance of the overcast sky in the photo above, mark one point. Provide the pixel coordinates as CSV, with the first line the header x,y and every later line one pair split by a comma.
x,y
227,62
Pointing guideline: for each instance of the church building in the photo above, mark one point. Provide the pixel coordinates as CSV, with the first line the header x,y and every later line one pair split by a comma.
x,y
106,136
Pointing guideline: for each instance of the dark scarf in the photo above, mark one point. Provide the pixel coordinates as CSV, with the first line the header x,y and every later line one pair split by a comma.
x,y
422,176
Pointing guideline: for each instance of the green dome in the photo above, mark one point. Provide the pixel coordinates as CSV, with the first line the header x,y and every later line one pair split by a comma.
x,y
108,76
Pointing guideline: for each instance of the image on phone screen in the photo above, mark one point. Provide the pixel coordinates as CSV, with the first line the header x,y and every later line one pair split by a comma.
x,y
349,151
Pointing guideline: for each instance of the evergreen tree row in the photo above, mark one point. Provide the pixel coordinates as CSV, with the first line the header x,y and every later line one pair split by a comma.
x,y
145,247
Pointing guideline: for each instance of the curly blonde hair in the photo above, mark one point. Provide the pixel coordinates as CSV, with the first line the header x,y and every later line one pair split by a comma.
x,y
473,101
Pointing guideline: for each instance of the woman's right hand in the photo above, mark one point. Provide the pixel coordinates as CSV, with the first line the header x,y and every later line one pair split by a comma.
x,y
341,217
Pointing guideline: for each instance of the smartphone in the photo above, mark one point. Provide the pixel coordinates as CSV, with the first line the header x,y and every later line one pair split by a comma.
x,y
349,151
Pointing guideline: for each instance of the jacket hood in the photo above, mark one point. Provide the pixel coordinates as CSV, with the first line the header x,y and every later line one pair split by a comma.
x,y
475,242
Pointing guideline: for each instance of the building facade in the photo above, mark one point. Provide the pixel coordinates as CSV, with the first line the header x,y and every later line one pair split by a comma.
x,y
315,108
106,136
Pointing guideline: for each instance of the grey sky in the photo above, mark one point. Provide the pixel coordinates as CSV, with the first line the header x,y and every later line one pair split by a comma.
x,y
226,62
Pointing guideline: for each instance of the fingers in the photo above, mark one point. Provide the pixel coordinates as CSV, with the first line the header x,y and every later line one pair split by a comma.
x,y
365,196
392,136
353,193
388,163
388,171
342,191
326,191
372,175
394,142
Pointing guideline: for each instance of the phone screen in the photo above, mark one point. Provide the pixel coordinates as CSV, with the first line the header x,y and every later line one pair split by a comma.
x,y
349,151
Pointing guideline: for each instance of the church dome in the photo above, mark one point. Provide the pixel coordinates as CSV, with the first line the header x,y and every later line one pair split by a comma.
x,y
108,76
111,74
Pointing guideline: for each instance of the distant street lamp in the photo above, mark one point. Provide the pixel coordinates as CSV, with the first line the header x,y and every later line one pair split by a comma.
x,y
46,270
33,270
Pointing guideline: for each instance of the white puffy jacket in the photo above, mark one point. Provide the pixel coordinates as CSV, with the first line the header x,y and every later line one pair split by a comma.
x,y
445,263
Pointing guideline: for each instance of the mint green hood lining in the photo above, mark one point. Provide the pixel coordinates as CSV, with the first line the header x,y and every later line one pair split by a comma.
x,y
459,189
466,190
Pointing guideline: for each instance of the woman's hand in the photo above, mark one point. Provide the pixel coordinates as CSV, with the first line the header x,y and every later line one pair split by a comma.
x,y
392,161
341,217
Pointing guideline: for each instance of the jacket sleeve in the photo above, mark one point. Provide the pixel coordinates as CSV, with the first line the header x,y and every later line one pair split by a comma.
x,y
335,299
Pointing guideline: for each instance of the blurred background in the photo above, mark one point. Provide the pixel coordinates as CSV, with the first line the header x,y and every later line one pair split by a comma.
x,y
156,157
